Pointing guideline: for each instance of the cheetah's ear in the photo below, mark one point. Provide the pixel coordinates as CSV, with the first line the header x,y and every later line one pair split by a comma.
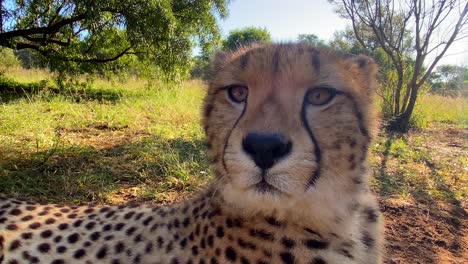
x,y
364,71
219,59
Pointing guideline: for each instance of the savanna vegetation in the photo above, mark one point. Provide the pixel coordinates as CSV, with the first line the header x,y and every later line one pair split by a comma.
x,y
88,143
409,38
85,121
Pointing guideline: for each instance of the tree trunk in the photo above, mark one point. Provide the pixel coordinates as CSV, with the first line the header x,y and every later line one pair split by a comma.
x,y
401,123
1,16
398,89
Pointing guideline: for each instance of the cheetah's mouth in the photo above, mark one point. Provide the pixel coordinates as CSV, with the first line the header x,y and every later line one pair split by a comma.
x,y
264,187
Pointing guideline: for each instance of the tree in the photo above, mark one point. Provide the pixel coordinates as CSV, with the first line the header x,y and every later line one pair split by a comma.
x,y
30,59
201,68
311,39
431,29
448,80
79,34
246,36
451,73
345,41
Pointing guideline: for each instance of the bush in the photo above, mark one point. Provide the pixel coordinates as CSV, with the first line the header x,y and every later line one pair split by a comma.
x,y
8,58
245,36
200,69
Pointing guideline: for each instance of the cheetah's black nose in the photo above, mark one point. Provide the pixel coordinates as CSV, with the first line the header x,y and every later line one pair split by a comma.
x,y
265,148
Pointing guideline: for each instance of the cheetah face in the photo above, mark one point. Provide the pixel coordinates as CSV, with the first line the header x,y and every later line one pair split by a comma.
x,y
287,123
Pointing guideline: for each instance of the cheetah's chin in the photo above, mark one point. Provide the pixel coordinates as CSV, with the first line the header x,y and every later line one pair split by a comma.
x,y
265,187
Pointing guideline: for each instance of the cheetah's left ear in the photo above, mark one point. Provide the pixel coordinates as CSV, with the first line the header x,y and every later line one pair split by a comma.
x,y
364,71
219,59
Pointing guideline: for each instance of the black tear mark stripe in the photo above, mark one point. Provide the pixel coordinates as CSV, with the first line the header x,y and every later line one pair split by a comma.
x,y
362,128
230,131
315,59
317,152
359,116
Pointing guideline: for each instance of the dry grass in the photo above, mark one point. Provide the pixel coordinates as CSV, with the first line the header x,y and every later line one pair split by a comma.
x,y
23,75
434,109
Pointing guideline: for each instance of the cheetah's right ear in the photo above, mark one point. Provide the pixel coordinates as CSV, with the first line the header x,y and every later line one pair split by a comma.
x,y
364,71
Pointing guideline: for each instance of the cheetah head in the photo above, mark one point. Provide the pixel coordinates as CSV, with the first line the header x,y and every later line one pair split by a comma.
x,y
289,125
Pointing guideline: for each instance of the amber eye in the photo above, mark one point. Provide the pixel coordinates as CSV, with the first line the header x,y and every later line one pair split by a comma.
x,y
320,95
237,93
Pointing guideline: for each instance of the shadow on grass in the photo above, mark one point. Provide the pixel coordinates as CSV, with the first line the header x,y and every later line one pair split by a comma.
x,y
402,175
398,173
11,91
154,165
435,220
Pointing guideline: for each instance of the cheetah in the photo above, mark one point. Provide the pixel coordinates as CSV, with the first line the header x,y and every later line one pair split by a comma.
x,y
288,129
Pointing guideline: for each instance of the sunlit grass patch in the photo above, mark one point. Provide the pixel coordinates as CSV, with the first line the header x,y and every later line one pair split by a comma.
x,y
23,75
426,166
435,108
64,147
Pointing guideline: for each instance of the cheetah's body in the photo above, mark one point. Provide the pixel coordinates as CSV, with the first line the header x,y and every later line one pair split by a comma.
x,y
311,205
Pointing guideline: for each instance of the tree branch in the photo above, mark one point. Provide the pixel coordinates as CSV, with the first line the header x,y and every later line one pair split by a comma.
x,y
45,41
458,26
124,52
24,45
41,30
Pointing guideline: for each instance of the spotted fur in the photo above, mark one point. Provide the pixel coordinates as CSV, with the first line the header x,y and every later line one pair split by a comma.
x,y
317,207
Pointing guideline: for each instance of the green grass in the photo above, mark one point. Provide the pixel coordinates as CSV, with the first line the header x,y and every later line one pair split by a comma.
x,y
421,166
439,109
78,147
111,142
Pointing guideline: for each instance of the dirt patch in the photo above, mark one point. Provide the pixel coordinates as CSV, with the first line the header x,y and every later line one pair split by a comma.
x,y
417,234
449,141
422,184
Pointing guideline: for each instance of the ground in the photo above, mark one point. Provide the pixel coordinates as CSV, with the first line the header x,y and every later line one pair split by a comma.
x,y
418,233
430,224
134,143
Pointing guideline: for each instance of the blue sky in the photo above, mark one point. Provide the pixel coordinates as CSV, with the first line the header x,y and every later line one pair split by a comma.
x,y
285,19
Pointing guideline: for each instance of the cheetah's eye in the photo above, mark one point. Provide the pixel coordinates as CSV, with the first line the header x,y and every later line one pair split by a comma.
x,y
238,93
320,95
